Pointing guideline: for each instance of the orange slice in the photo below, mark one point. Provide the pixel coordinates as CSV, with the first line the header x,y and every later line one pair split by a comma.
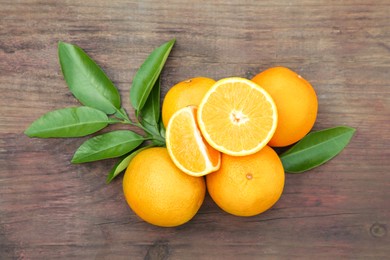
x,y
237,116
186,146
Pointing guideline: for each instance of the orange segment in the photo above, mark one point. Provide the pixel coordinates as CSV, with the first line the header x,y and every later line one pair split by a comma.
x,y
237,116
186,146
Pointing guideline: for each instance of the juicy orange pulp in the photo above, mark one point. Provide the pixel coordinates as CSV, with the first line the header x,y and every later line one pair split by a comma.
x,y
237,117
186,146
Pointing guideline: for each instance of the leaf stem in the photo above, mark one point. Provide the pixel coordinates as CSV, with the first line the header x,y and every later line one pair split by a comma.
x,y
121,114
153,136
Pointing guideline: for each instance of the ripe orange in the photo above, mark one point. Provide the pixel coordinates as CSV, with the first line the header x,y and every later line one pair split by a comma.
x,y
237,117
247,185
295,100
186,146
158,192
185,93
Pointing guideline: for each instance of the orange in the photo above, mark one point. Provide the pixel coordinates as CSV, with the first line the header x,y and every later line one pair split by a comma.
x,y
247,185
295,100
186,146
185,93
158,192
237,117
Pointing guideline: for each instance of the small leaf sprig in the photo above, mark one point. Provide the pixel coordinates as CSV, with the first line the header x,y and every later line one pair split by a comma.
x,y
101,106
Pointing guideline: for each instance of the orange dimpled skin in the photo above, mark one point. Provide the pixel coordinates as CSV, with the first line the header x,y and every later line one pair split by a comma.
x,y
247,185
186,93
158,192
296,102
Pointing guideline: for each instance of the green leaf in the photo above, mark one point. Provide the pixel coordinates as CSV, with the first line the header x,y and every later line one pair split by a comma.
x,y
162,129
121,114
68,122
86,80
148,74
109,145
150,113
150,116
122,164
316,148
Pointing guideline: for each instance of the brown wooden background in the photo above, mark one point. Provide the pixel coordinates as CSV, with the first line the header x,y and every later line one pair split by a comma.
x,y
52,209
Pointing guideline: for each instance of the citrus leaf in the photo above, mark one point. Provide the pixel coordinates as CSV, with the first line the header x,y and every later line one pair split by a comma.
x,y
68,122
109,145
86,80
316,148
147,75
162,129
122,164
150,113
121,114
150,116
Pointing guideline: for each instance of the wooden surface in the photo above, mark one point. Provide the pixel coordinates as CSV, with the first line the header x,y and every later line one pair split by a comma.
x,y
51,209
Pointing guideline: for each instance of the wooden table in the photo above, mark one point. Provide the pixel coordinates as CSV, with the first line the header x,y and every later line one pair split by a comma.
x,y
52,209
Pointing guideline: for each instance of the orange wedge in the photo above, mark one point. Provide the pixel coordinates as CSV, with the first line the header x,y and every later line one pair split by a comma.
x,y
186,146
237,116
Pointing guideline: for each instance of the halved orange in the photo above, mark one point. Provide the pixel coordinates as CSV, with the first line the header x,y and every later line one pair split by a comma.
x,y
186,146
237,116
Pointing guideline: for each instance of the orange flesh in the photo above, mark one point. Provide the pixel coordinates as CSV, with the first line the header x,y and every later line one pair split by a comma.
x,y
187,146
239,112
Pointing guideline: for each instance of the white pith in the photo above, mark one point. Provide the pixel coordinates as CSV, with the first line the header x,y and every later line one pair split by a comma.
x,y
238,117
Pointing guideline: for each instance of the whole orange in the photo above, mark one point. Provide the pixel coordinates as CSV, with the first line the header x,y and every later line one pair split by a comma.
x,y
158,192
185,93
296,103
247,185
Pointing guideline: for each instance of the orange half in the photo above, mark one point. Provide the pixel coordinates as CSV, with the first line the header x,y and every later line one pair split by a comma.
x,y
186,146
237,116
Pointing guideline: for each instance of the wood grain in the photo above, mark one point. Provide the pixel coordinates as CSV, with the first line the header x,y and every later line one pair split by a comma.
x,y
52,209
